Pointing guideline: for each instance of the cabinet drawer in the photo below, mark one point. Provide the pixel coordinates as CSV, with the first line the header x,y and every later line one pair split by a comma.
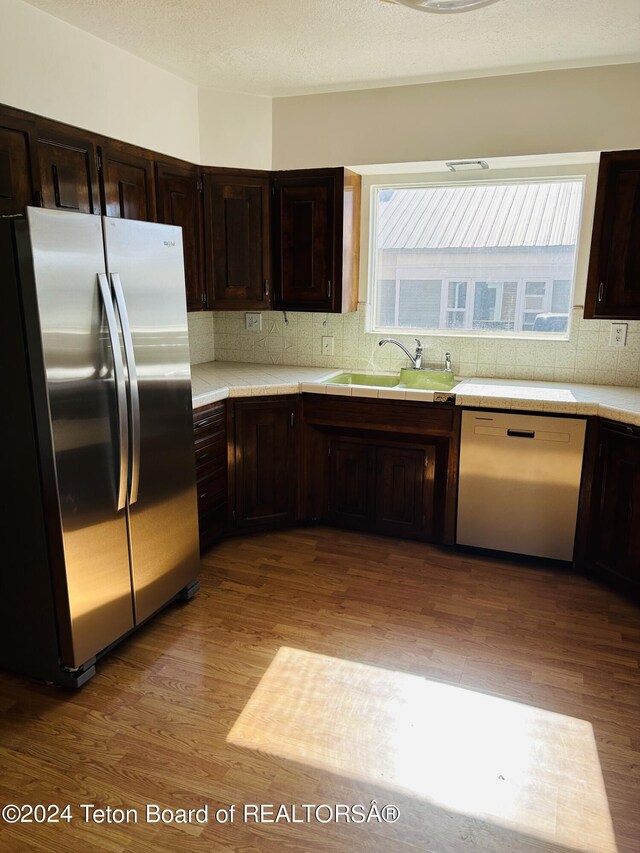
x,y
210,451
205,427
215,469
213,523
211,488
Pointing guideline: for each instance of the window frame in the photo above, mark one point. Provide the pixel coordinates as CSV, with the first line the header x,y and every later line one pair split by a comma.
x,y
584,173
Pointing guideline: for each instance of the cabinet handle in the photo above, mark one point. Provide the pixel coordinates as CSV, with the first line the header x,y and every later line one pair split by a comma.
x,y
266,288
601,292
204,298
293,417
329,289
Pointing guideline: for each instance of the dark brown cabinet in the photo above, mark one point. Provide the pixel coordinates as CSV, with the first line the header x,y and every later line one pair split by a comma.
x,y
68,172
252,240
351,483
127,182
384,466
404,490
237,240
210,441
615,521
17,188
316,240
384,488
178,197
265,462
613,284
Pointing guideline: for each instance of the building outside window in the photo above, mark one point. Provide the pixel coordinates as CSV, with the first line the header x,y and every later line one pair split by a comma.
x,y
490,258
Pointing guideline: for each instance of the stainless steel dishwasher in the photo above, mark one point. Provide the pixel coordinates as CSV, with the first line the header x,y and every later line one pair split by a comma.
x,y
520,482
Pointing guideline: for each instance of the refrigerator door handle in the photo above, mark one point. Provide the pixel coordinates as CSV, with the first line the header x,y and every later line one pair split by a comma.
x,y
134,396
121,391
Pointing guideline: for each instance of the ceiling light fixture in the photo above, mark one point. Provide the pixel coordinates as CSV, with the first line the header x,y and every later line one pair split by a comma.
x,y
444,5
466,165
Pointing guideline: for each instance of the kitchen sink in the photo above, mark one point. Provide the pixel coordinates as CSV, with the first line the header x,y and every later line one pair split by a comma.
x,y
382,380
420,380
427,380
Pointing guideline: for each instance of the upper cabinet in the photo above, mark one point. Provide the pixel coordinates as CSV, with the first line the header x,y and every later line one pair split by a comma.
x,y
237,240
127,182
178,199
67,164
253,240
316,240
16,181
613,284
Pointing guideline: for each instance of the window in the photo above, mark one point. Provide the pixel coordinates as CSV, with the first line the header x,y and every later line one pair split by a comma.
x,y
492,258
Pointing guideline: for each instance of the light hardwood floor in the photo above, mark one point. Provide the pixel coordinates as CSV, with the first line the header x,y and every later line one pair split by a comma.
x,y
496,704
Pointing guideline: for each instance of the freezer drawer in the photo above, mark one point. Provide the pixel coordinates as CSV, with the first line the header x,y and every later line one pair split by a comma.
x,y
520,482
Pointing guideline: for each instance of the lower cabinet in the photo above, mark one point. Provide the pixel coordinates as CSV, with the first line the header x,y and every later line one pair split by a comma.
x,y
615,520
382,466
404,490
351,483
383,488
265,464
210,438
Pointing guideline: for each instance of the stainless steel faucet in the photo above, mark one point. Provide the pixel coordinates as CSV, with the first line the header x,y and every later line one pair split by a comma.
x,y
416,360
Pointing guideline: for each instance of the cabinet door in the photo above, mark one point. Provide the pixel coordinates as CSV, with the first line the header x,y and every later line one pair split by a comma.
x,y
178,203
265,462
305,243
237,241
68,171
127,183
613,288
616,528
351,483
16,183
400,490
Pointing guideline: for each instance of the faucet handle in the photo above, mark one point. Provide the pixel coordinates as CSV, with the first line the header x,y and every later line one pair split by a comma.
x,y
419,342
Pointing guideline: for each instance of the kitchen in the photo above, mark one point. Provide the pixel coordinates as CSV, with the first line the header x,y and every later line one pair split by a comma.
x,y
347,645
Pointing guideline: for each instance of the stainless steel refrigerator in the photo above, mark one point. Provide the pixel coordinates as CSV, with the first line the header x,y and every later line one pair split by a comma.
x,y
99,501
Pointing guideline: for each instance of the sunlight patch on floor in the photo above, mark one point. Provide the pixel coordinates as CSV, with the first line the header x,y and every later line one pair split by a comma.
x,y
495,760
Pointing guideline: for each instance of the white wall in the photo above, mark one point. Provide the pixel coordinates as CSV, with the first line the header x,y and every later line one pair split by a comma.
x,y
54,69
586,109
235,130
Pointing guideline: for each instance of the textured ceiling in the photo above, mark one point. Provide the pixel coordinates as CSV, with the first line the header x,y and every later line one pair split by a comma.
x,y
285,47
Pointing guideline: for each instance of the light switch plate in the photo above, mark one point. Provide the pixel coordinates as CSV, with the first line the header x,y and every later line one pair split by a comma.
x,y
618,335
253,322
327,345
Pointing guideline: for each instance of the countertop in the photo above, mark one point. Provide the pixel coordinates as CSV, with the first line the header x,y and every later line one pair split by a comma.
x,y
217,380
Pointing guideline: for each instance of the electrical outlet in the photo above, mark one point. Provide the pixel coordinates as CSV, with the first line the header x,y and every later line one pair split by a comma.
x,y
327,345
253,322
618,335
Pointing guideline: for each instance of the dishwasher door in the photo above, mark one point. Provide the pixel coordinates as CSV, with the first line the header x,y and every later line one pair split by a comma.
x,y
520,482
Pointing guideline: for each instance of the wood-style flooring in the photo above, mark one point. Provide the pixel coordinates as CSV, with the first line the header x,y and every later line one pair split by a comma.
x,y
495,704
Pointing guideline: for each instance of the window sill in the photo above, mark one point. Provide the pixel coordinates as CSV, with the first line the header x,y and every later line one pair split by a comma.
x,y
469,333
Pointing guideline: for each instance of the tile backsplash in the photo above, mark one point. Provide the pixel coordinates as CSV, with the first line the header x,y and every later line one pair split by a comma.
x,y
201,336
586,357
